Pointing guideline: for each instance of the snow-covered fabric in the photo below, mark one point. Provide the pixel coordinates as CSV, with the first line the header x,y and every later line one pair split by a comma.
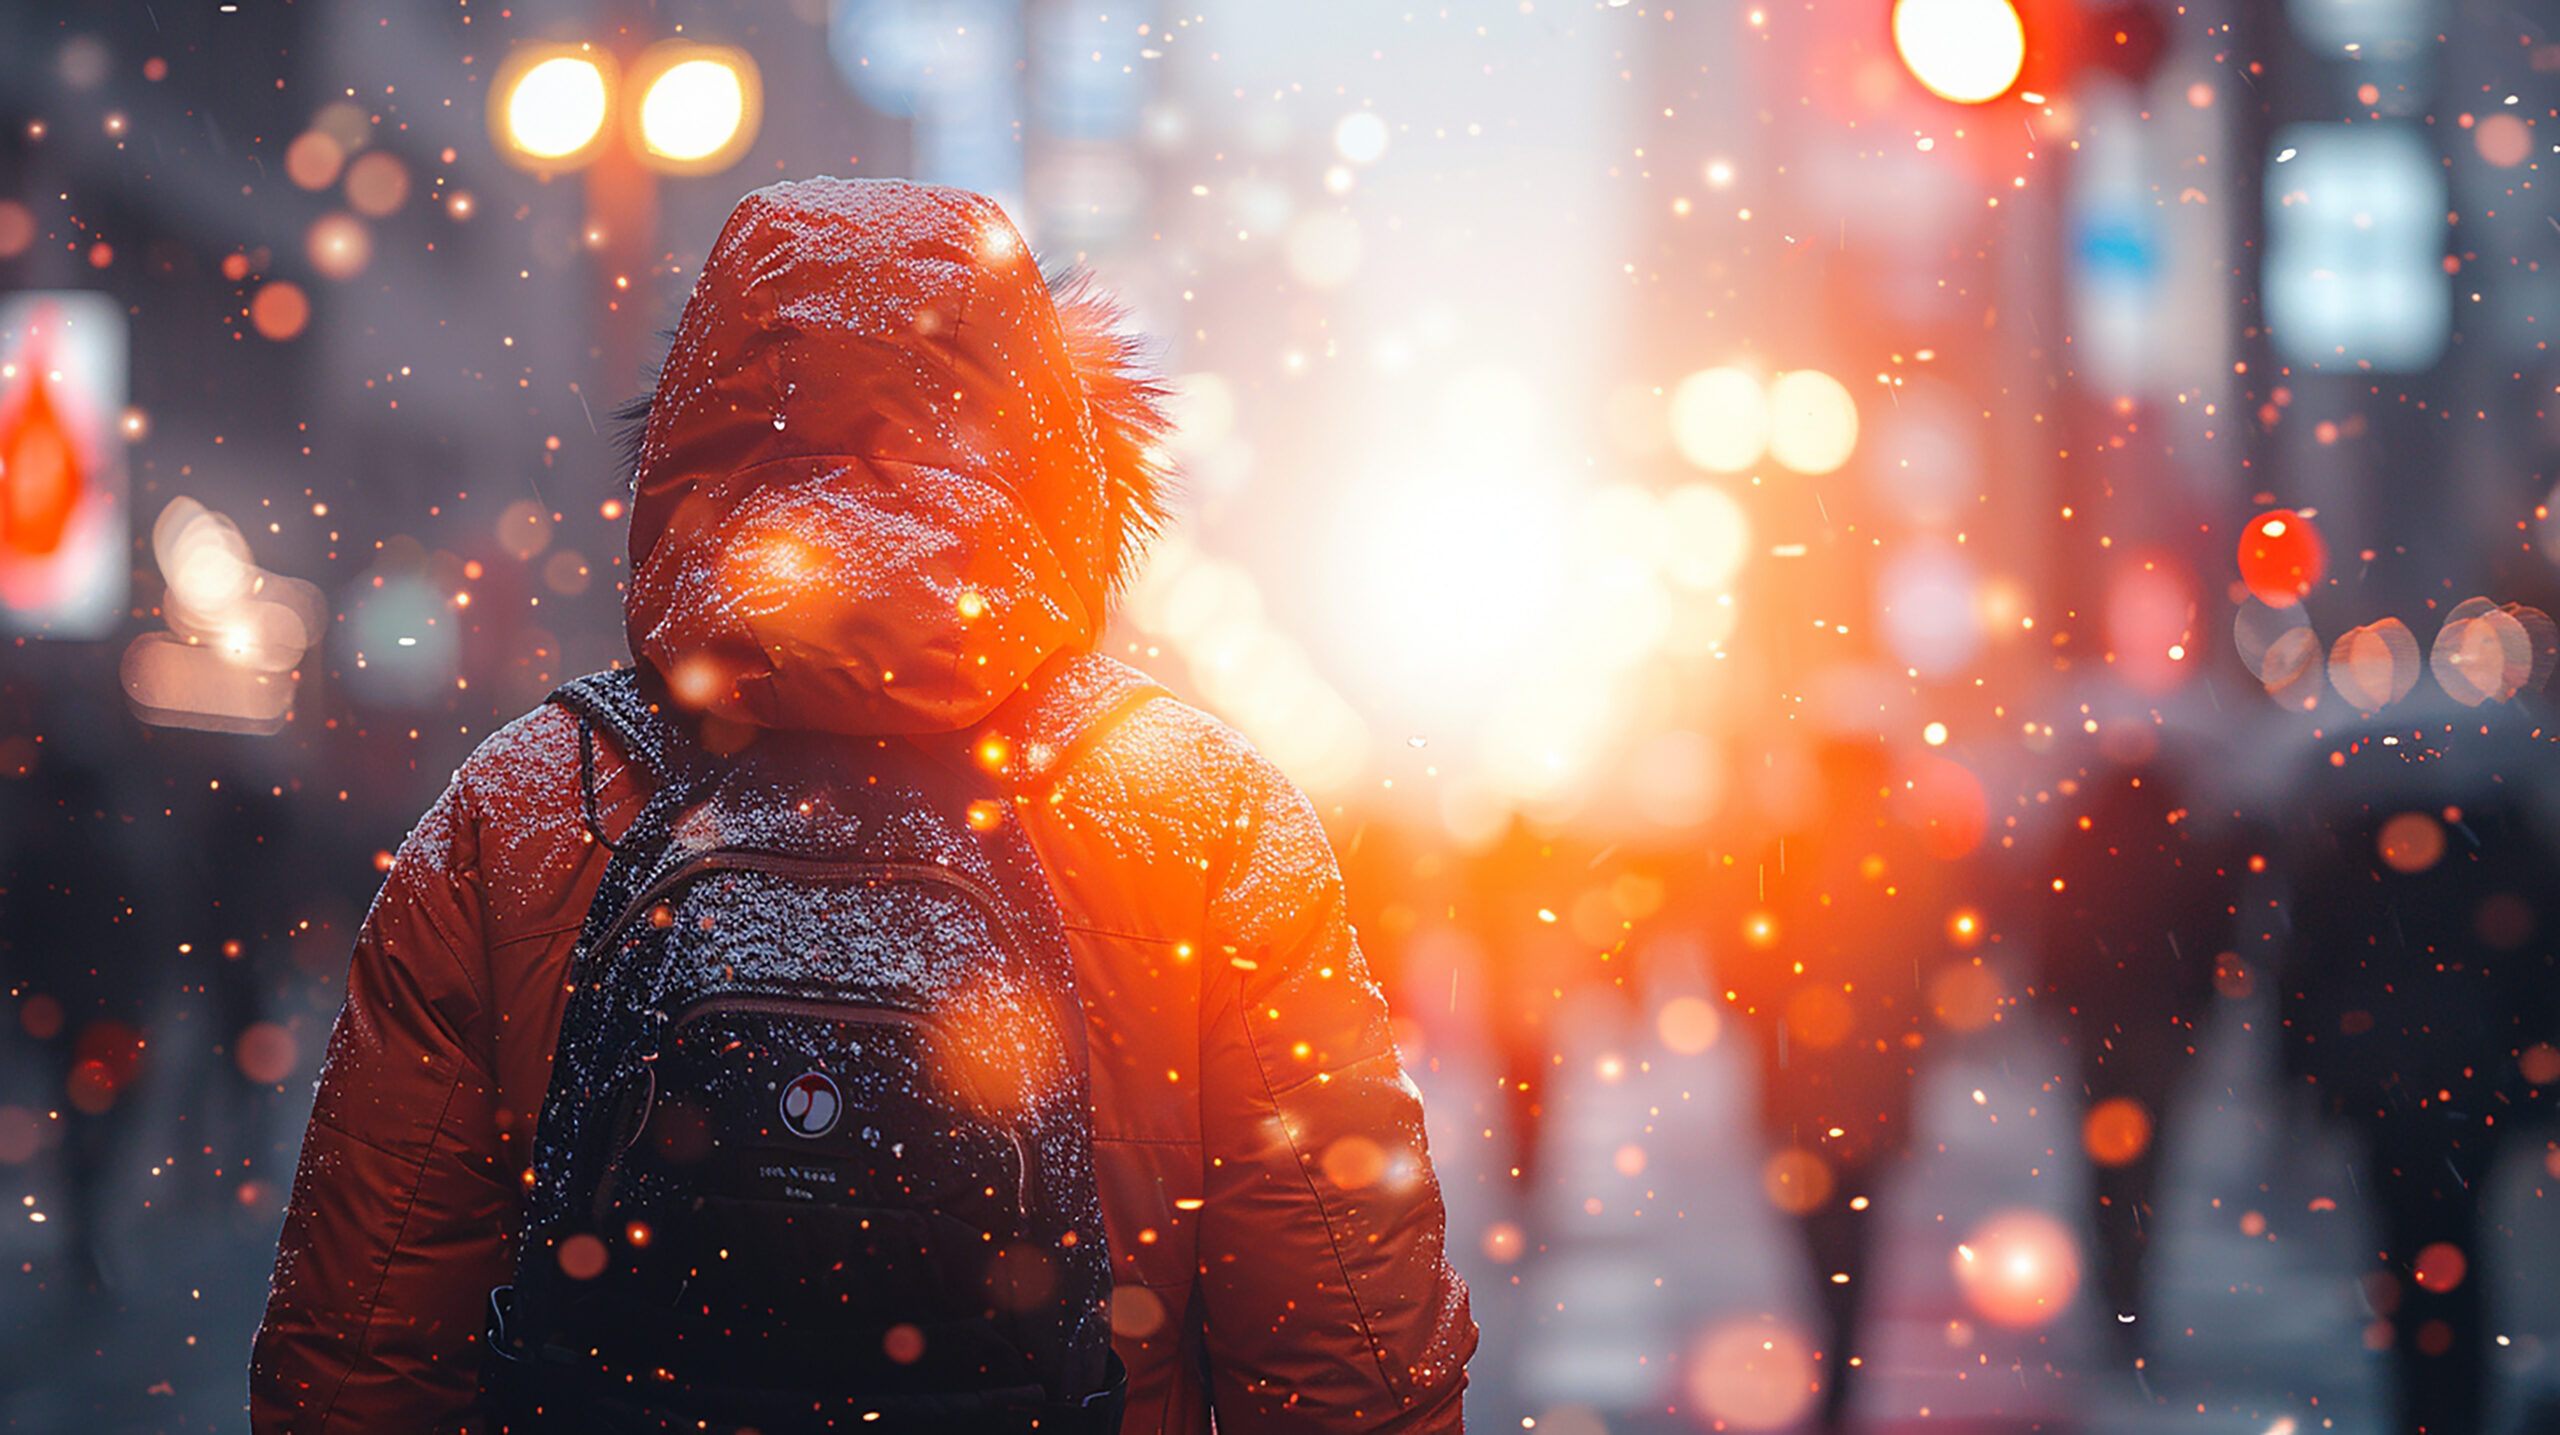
x,y
873,492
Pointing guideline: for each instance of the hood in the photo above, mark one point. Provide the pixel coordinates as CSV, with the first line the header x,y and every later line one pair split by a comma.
x,y
886,471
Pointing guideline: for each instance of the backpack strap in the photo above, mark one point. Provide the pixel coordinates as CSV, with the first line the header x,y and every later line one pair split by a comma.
x,y
1068,705
615,701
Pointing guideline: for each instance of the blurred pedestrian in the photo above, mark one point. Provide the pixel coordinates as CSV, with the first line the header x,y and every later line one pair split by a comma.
x,y
2420,998
1843,932
2132,906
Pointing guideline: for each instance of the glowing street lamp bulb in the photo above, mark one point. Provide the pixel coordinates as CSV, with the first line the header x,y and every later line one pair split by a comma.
x,y
1968,51
557,107
692,109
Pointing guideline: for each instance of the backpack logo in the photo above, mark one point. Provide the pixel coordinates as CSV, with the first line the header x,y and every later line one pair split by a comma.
x,y
810,1105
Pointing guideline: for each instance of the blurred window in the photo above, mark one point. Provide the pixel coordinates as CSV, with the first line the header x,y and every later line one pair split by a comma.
x,y
2355,246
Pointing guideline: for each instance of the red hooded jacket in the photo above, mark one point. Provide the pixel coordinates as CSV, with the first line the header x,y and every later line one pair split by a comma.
x,y
887,485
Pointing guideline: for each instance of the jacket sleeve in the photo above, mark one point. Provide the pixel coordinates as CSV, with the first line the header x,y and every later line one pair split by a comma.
x,y
1330,1304
397,1227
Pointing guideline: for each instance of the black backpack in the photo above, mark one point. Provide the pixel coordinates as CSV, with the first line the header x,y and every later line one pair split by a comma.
x,y
816,1153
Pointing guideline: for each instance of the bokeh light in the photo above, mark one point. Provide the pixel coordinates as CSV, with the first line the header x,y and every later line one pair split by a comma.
x,y
1796,1181
583,1257
1968,51
2273,642
236,632
17,228
2282,557
524,529
314,159
1688,1025
2482,654
2019,1268
2151,619
2410,842
1966,997
2116,1131
2503,140
1360,137
2539,1064
1813,422
338,245
1720,420
2440,1267
2375,665
279,310
566,573
1752,1375
1352,1162
377,184
267,1052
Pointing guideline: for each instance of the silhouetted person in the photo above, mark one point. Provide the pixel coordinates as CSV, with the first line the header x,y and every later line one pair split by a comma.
x,y
1844,930
2133,909
2419,1000
85,950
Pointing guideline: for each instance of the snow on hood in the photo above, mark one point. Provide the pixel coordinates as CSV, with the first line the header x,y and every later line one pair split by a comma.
x,y
885,473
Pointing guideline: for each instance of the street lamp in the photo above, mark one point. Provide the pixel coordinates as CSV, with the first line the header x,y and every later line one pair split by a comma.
x,y
697,110
686,109
699,106
548,108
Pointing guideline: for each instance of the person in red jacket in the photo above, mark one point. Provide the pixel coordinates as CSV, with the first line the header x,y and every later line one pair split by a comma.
x,y
888,486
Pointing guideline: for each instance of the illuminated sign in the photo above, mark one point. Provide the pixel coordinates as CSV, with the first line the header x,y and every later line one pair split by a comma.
x,y
62,478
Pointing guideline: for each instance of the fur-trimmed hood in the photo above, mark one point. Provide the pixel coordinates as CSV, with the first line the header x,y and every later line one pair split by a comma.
x,y
888,468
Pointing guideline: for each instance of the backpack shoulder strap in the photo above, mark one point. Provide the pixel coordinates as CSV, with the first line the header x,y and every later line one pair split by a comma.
x,y
1069,705
615,701
612,700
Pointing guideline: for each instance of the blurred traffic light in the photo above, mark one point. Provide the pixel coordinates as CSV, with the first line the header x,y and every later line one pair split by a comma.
x,y
1968,51
1972,52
